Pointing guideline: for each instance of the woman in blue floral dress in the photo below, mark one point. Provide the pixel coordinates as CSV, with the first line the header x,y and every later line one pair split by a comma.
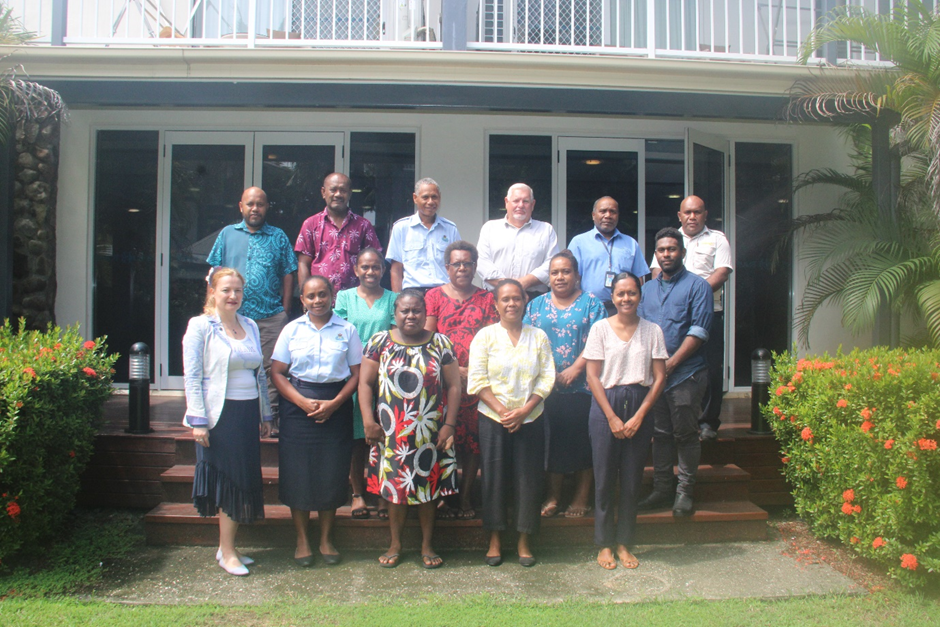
x,y
413,424
566,314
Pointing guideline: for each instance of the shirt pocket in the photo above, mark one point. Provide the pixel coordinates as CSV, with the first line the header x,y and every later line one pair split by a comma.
x,y
299,346
414,242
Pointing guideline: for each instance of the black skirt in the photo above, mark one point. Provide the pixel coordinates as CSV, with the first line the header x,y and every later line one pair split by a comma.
x,y
228,471
314,457
567,438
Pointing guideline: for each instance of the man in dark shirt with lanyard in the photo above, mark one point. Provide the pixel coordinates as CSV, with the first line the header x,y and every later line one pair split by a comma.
x,y
681,304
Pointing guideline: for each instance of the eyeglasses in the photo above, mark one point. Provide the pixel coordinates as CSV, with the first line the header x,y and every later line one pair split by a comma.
x,y
460,265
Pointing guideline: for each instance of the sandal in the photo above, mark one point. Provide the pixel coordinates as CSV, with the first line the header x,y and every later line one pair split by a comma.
x,y
431,561
577,512
446,512
467,514
549,511
382,514
359,512
389,561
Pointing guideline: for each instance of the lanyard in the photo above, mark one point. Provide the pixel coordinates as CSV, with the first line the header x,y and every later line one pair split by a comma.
x,y
610,251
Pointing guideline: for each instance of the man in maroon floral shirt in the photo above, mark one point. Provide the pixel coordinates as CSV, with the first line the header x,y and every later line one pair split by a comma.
x,y
330,241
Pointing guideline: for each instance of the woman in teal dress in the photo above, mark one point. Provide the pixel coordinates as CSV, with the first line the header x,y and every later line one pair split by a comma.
x,y
370,308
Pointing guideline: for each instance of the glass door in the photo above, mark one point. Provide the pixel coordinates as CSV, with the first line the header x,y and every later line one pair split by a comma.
x,y
590,168
204,175
708,176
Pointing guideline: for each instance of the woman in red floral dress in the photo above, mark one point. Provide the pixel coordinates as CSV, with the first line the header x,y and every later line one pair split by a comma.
x,y
459,310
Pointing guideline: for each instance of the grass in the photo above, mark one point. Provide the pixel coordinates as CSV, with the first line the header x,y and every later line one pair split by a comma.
x,y
43,588
909,610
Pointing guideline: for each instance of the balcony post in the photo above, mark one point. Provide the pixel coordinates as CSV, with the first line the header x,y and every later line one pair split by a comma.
x,y
454,24
60,18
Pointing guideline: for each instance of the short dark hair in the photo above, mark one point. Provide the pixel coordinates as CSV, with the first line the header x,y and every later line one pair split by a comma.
x,y
625,275
374,251
410,292
505,282
672,232
461,245
318,277
566,254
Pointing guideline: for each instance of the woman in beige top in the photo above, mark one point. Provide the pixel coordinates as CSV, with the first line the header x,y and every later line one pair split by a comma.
x,y
626,371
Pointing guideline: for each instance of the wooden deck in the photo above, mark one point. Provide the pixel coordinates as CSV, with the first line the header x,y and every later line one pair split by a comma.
x,y
740,474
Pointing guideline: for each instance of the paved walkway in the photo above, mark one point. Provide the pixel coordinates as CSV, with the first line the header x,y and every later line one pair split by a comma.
x,y
706,571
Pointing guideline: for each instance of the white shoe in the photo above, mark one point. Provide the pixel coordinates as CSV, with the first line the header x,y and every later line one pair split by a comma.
x,y
238,571
244,559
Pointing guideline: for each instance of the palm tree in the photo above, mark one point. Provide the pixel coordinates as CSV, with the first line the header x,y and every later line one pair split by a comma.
x,y
864,262
909,39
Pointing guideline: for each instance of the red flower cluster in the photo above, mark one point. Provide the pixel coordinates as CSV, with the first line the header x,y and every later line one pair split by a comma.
x,y
938,424
865,413
785,460
30,372
866,426
854,540
842,403
807,434
797,378
927,445
780,390
848,495
889,444
848,386
89,345
13,510
877,543
58,345
71,453
909,561
901,482
816,364
90,372
848,509
778,412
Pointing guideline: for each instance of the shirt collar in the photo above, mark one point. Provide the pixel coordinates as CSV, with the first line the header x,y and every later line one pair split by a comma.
x,y
675,277
597,234
510,224
265,228
415,220
350,216
700,233
334,319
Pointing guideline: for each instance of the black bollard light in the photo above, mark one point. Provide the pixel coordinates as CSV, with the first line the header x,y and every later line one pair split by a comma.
x,y
760,390
138,402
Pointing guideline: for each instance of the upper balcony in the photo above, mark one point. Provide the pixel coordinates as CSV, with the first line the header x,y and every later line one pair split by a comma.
x,y
768,31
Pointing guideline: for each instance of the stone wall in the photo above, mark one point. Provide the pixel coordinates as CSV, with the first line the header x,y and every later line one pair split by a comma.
x,y
36,167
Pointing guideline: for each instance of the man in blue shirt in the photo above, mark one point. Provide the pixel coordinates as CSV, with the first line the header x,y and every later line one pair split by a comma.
x,y
681,304
417,243
604,252
265,257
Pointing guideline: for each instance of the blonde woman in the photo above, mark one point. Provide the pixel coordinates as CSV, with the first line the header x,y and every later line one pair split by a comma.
x,y
226,405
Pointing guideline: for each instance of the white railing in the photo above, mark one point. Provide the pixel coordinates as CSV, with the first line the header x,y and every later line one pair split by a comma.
x,y
766,30
240,23
753,30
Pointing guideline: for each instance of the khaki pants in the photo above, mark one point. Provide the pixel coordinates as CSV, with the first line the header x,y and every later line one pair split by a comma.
x,y
270,329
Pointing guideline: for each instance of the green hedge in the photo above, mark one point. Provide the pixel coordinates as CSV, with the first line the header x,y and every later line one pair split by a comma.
x,y
54,384
859,437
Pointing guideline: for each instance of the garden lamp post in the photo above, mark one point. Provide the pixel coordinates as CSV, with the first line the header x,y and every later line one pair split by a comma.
x,y
760,390
138,403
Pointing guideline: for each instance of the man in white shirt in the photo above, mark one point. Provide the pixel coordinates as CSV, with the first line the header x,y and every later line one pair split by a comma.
x,y
517,247
708,255
417,243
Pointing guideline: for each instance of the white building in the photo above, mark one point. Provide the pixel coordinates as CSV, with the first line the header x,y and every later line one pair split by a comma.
x,y
177,105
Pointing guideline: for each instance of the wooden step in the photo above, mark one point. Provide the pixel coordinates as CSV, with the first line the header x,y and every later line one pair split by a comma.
x,y
178,523
713,483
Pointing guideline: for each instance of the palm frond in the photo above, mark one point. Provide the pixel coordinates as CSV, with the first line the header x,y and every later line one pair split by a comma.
x,y
928,301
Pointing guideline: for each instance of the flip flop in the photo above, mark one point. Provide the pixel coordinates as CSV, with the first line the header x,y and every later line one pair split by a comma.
x,y
631,564
548,511
428,561
467,514
612,564
577,512
360,513
391,561
382,514
446,512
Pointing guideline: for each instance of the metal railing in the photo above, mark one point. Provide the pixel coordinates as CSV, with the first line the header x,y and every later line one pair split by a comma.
x,y
237,23
750,30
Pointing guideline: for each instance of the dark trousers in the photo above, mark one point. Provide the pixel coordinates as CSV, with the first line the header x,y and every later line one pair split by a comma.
x,y
675,434
615,460
715,354
512,465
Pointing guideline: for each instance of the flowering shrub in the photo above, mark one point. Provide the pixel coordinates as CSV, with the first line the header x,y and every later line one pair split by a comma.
x,y
858,436
53,386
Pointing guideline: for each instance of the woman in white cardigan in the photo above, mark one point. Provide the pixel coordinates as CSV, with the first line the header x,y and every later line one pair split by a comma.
x,y
226,404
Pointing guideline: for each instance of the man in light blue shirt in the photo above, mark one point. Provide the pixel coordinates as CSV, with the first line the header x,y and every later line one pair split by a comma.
x,y
604,252
681,304
264,255
417,243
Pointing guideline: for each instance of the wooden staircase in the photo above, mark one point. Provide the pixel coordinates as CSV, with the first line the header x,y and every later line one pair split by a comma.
x,y
724,512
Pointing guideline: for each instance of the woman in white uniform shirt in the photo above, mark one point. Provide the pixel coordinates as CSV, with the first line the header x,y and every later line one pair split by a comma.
x,y
226,398
315,366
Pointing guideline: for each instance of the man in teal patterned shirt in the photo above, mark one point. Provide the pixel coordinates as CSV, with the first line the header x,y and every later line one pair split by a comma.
x,y
265,257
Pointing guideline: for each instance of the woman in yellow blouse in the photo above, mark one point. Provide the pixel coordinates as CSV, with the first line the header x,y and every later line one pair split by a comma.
x,y
512,371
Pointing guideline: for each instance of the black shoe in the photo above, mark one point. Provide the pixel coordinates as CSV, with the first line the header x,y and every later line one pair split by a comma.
x,y
304,562
331,559
656,500
682,507
707,434
493,560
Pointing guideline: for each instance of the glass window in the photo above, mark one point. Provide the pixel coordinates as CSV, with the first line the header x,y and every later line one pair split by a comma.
x,y
520,159
665,185
125,241
382,170
763,184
